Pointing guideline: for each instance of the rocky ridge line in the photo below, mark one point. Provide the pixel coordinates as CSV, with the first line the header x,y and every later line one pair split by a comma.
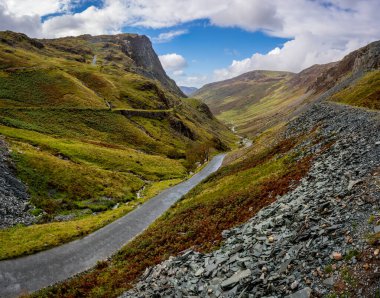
x,y
285,249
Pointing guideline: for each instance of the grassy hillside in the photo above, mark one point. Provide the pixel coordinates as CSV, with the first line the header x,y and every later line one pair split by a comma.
x,y
363,93
256,101
229,197
250,179
89,126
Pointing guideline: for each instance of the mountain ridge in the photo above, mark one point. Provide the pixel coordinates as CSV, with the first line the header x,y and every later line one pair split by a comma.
x,y
140,56
91,126
188,91
288,98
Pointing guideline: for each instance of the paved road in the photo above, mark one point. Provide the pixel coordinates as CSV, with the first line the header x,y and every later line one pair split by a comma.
x,y
28,274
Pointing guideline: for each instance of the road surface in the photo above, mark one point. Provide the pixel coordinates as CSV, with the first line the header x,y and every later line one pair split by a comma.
x,y
31,273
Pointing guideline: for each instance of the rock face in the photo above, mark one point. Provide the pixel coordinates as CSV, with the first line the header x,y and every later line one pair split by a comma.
x,y
285,249
14,206
139,49
354,65
140,56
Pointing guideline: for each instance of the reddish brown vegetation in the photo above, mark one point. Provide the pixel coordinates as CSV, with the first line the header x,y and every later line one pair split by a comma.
x,y
197,226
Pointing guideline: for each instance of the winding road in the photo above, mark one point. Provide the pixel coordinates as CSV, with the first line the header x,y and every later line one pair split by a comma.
x,y
31,273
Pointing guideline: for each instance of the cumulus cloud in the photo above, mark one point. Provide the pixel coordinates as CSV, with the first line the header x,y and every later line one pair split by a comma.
x,y
109,19
173,62
194,80
31,8
297,54
27,24
321,32
169,36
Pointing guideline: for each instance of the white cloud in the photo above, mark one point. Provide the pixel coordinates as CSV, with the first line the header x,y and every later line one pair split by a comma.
x,y
193,80
320,33
173,62
168,36
21,8
108,19
27,24
175,65
300,53
179,73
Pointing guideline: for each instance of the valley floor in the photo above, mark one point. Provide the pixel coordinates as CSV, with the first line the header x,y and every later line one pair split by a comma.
x,y
318,239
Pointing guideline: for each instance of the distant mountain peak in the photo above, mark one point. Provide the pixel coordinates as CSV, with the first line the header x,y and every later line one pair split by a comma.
x,y
188,91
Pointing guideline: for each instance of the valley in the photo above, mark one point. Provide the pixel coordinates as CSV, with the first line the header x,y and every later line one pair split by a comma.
x,y
82,161
277,195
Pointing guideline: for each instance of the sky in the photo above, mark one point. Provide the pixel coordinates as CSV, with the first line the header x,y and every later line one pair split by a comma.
x,y
202,41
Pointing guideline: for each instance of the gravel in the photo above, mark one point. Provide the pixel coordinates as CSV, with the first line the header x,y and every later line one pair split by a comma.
x,y
14,200
286,247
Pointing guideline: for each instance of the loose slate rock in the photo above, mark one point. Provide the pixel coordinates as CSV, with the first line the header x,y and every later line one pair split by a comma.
x,y
304,293
229,282
307,224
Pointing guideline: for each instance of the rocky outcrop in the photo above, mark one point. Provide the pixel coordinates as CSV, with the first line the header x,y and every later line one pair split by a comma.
x,y
140,56
19,39
362,60
178,125
286,248
14,200
140,50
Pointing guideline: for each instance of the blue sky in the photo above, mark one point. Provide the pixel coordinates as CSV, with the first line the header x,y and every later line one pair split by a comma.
x,y
202,41
206,47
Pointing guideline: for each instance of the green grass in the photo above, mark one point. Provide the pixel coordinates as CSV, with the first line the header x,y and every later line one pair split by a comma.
x,y
252,104
225,199
348,277
329,269
23,240
353,253
44,87
99,126
76,159
151,167
155,188
74,153
58,185
364,93
66,175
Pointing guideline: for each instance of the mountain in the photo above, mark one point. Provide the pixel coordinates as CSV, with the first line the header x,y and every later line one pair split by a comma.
x,y
132,52
257,100
294,215
188,91
90,121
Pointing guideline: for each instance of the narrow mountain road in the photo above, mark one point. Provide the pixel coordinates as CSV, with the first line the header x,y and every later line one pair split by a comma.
x,y
30,273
